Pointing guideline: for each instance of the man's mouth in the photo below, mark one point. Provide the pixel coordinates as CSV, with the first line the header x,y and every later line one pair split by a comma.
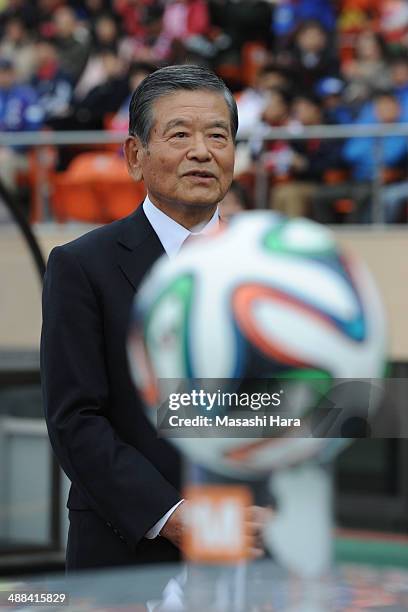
x,y
200,174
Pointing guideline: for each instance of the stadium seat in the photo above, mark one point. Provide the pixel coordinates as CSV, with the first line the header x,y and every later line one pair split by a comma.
x,y
344,206
336,176
96,188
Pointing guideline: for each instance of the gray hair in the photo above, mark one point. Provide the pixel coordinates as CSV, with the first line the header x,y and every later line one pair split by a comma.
x,y
168,80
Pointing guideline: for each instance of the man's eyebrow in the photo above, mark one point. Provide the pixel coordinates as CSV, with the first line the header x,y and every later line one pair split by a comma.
x,y
174,123
219,124
183,122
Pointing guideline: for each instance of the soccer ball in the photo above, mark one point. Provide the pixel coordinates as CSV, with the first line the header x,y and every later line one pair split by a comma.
x,y
267,298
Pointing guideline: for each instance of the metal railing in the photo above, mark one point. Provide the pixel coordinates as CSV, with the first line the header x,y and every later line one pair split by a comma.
x,y
41,139
296,132
338,132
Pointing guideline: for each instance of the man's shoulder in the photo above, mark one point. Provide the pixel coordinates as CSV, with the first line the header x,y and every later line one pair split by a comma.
x,y
101,240
94,238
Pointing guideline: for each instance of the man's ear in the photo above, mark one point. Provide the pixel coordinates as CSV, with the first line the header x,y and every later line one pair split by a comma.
x,y
134,152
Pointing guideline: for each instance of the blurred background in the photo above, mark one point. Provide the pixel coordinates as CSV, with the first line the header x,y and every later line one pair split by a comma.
x,y
322,93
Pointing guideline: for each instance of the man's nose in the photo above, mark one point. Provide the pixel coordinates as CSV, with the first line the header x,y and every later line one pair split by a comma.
x,y
199,149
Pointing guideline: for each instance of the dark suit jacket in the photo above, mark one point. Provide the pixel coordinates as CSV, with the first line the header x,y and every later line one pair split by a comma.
x,y
124,479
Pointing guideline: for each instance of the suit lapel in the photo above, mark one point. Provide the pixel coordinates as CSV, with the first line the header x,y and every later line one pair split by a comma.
x,y
139,247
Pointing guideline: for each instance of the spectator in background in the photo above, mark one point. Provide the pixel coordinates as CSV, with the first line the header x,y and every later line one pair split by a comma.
x,y
275,114
185,18
19,111
275,76
399,79
17,45
151,44
105,37
361,156
104,99
360,153
288,14
105,33
393,21
137,72
323,11
53,87
277,109
312,56
252,101
50,6
187,25
369,69
27,11
307,162
73,42
91,9
46,10
92,111
330,93
242,22
277,156
251,104
131,13
236,200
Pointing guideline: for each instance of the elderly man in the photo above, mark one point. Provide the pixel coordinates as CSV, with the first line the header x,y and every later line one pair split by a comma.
x,y
125,481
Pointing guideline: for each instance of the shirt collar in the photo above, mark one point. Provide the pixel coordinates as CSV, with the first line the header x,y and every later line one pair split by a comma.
x,y
170,233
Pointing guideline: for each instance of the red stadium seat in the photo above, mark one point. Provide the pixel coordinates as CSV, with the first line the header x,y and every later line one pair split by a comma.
x,y
96,188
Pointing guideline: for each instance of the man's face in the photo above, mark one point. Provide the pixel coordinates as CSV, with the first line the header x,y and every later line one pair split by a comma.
x,y
15,30
272,80
399,74
105,29
6,78
387,109
306,112
65,22
45,52
312,39
189,159
277,110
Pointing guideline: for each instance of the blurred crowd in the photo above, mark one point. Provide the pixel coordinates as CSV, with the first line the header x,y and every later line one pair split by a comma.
x,y
72,65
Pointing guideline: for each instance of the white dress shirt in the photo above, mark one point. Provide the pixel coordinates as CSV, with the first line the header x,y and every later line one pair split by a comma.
x,y
172,235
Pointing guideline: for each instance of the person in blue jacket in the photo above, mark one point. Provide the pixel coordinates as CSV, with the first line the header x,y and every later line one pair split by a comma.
x,y
53,88
19,111
366,155
360,153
